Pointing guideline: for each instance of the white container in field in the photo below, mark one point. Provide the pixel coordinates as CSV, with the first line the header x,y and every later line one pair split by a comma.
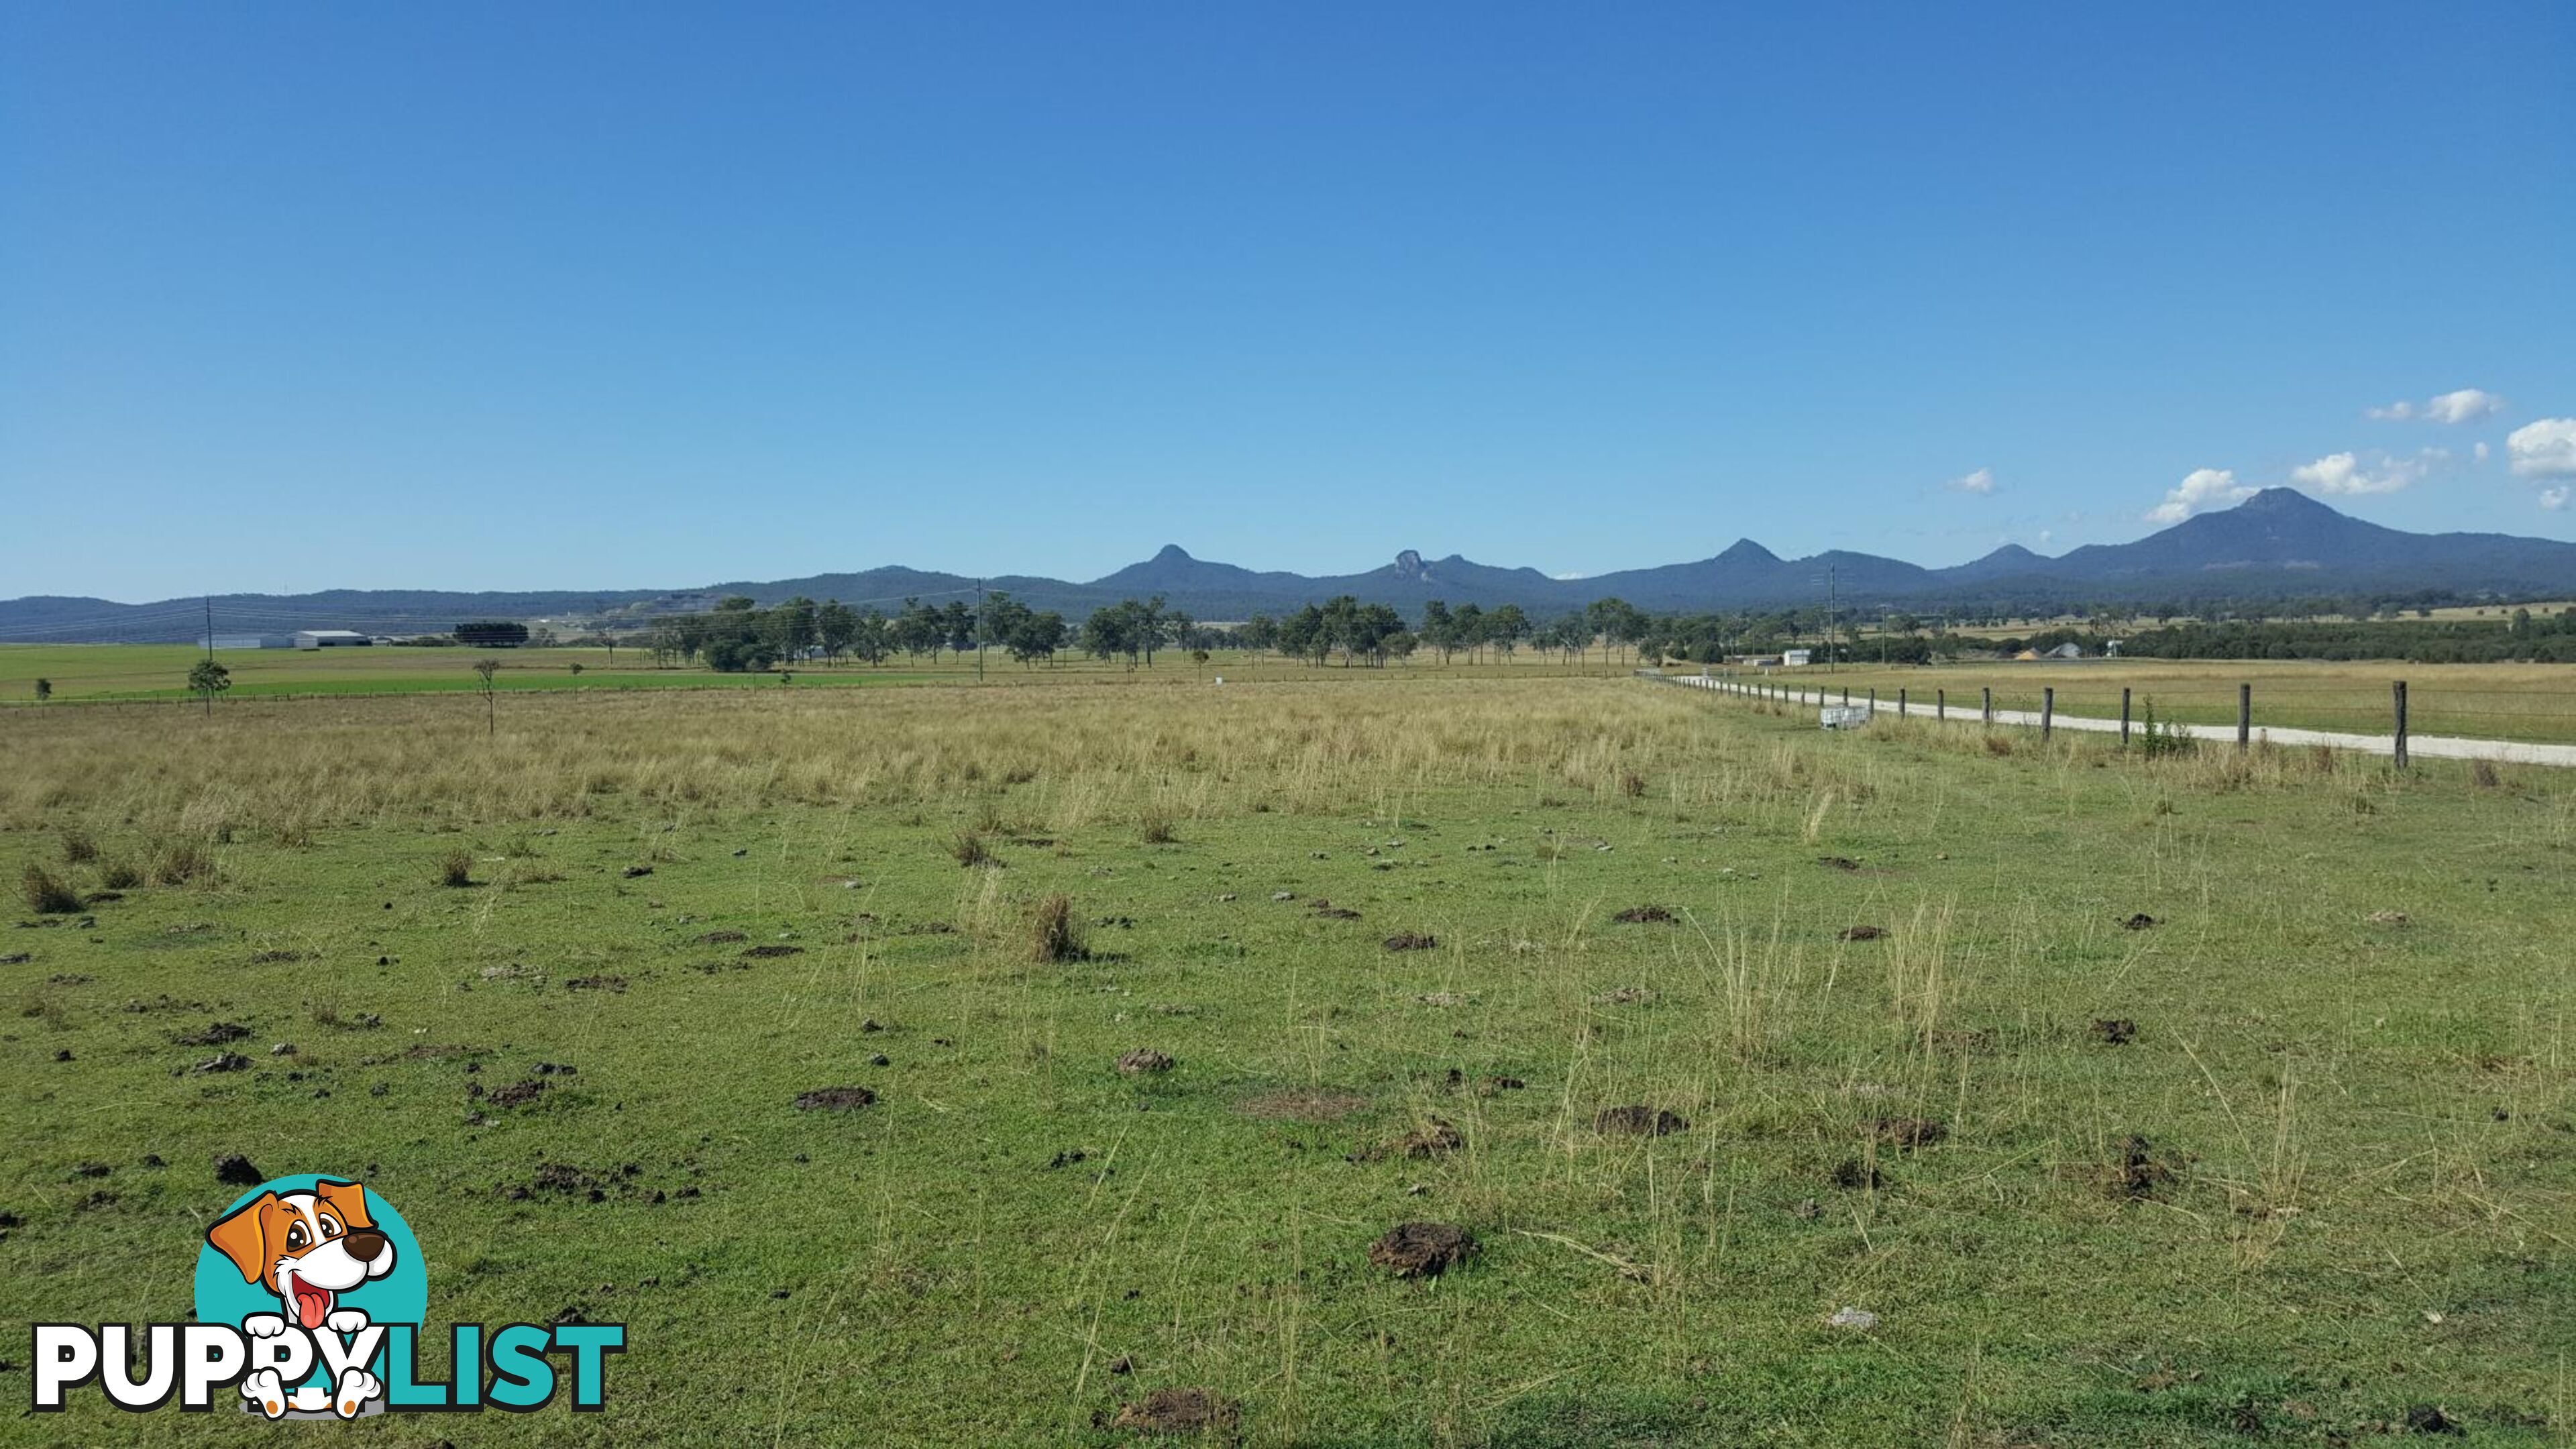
x,y
1843,716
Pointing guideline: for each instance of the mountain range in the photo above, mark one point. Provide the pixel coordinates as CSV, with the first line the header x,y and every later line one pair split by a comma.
x,y
2279,543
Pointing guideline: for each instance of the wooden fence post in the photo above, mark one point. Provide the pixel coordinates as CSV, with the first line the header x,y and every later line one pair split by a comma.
x,y
2244,715
2124,717
2401,723
1941,705
2047,710
1990,703
1900,702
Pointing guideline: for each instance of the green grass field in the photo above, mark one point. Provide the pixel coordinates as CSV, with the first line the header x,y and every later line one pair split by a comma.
x,y
128,672
2290,1161
2534,702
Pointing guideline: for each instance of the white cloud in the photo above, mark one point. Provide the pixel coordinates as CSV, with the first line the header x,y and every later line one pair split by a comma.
x,y
2205,488
2467,405
2545,449
2553,499
1981,482
2482,451
2343,474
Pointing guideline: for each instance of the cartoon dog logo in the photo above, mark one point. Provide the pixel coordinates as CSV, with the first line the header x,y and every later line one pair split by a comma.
x,y
308,1248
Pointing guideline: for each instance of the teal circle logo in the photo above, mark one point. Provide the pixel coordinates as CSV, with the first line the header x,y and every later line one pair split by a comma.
x,y
307,1248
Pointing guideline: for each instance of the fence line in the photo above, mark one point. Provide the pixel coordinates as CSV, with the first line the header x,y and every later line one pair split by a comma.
x,y
2243,732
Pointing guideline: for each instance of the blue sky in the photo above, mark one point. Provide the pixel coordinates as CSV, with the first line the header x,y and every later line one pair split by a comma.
x,y
298,296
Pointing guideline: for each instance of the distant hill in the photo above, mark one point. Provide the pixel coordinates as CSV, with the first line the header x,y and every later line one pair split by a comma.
x,y
2277,544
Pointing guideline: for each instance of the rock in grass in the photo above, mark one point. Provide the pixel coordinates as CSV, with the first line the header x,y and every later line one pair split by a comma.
x,y
1857,1320
1143,1060
834,1099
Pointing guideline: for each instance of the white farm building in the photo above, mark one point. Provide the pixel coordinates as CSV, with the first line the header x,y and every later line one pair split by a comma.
x,y
329,638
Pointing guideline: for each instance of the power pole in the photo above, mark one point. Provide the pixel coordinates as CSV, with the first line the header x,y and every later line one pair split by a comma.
x,y
210,628
1831,612
979,631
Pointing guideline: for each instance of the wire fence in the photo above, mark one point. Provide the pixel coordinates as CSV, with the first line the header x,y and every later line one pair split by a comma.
x,y
2391,716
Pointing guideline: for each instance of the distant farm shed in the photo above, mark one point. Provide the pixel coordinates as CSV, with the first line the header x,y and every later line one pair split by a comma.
x,y
250,641
329,638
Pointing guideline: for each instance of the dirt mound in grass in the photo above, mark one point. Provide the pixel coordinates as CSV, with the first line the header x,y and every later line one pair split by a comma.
x,y
1909,1132
773,950
834,1099
719,938
2114,1030
1422,1250
1645,916
517,1094
1178,1411
1411,941
1639,1122
1436,1138
215,1035
1862,933
1837,862
2138,1175
1143,1060
2139,922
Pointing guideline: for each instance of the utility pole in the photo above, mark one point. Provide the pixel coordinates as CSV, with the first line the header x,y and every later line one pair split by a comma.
x,y
979,631
210,628
1831,613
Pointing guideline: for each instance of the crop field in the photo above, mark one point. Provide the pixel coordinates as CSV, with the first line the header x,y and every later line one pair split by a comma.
x,y
1059,1065
2534,702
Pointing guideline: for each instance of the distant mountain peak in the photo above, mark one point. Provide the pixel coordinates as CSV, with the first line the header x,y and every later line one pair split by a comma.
x,y
1408,564
2285,501
1746,551
1173,553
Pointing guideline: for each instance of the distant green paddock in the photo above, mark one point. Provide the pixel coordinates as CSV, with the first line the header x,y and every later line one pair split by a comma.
x,y
160,671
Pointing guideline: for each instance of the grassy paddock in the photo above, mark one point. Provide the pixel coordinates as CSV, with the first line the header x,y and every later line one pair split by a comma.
x,y
160,671
2316,1170
2480,701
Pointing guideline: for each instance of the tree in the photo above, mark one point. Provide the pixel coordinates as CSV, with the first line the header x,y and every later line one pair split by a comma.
x,y
1036,636
576,671
484,669
792,628
1259,632
44,690
1149,625
208,678
1508,626
492,633
918,629
836,624
1304,635
1001,621
742,655
873,638
1439,629
957,627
